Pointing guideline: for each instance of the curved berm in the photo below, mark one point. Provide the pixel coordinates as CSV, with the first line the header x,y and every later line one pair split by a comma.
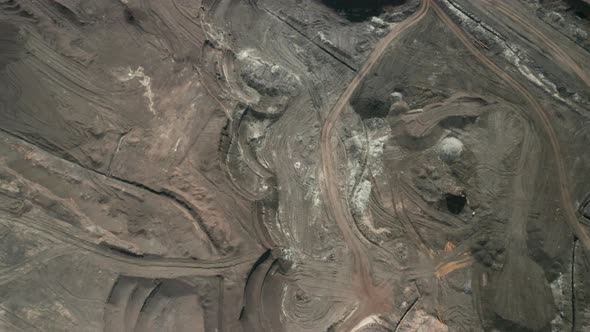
x,y
281,165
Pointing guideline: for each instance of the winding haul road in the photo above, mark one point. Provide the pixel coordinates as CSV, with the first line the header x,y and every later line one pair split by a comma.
x,y
373,298
542,118
370,296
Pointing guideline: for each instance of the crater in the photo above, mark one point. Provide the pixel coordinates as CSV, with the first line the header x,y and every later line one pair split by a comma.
x,y
455,203
360,10
586,210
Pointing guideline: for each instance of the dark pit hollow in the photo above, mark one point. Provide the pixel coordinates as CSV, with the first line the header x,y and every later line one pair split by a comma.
x,y
580,8
360,10
370,107
455,203
586,210
129,17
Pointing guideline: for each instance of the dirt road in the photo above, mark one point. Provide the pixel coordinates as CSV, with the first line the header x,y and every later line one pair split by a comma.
x,y
542,118
559,55
361,277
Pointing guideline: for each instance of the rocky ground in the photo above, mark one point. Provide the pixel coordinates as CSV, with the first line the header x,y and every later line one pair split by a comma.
x,y
308,165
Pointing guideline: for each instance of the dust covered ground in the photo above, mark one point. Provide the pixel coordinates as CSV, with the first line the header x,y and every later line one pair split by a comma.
x,y
308,165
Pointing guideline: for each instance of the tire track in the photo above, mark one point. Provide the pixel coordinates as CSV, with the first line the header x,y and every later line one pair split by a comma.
x,y
336,207
556,52
543,118
176,198
205,268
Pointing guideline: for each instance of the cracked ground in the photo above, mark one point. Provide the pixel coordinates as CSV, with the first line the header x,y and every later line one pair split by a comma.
x,y
281,165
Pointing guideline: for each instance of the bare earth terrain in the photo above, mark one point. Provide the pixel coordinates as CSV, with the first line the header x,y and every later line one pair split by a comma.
x,y
294,165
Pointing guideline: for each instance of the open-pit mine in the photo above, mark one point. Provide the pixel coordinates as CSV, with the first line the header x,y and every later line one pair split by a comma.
x,y
294,165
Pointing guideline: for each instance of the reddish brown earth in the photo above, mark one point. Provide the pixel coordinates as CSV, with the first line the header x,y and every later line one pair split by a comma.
x,y
229,165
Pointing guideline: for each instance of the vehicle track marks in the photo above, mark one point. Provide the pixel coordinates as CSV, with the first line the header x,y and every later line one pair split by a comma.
x,y
173,196
556,52
542,117
330,53
370,296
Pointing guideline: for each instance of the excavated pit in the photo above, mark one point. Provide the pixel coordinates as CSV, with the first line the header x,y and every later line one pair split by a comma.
x,y
280,165
360,10
455,203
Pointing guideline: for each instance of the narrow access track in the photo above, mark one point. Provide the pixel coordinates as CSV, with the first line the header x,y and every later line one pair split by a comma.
x,y
124,262
370,296
543,118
